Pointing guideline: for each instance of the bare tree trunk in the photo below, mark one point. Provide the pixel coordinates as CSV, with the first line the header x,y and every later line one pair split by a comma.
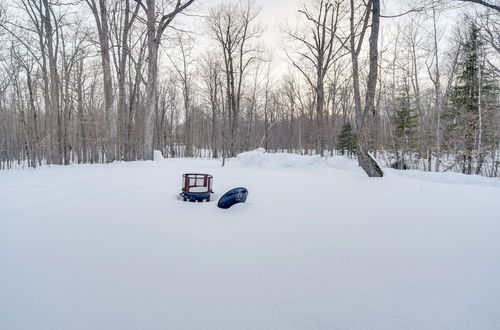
x,y
55,112
232,27
124,55
437,92
480,156
151,85
154,34
366,142
101,18
364,118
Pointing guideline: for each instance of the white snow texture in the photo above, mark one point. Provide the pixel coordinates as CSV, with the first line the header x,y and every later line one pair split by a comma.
x,y
318,245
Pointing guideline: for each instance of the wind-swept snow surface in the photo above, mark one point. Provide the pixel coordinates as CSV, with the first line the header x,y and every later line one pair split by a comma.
x,y
318,245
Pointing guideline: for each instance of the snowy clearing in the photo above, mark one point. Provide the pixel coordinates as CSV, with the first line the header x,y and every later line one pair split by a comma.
x,y
318,245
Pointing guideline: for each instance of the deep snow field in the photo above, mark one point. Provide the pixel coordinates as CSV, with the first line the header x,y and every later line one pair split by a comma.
x,y
318,245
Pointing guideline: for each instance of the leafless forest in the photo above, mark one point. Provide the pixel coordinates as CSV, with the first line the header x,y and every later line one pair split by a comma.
x,y
93,81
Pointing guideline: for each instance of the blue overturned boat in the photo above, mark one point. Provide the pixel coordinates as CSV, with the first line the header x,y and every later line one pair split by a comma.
x,y
233,196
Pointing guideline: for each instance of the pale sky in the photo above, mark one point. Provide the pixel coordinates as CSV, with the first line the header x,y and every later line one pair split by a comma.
x,y
275,14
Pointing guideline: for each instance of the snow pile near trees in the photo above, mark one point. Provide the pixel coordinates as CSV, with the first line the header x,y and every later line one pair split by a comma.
x,y
315,247
449,178
260,158
157,156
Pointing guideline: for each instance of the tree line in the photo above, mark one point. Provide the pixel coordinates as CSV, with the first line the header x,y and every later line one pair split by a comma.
x,y
104,80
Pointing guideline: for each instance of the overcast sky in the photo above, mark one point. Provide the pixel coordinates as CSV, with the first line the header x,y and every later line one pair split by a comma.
x,y
276,14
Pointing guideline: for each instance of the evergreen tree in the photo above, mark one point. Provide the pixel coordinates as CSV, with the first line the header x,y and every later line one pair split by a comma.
x,y
404,122
346,140
470,116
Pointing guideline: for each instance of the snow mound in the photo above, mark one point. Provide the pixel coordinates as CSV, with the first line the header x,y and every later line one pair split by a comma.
x,y
157,156
343,163
260,158
449,178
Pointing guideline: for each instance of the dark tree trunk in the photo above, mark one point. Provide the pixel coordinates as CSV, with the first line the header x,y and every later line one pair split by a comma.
x,y
366,134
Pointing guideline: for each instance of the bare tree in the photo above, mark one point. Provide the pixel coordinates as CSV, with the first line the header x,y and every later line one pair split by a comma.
x,y
436,81
155,30
100,13
365,117
319,51
122,21
182,66
484,3
490,26
234,28
211,72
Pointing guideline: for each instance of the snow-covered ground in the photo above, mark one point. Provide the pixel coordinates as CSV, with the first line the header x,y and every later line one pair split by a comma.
x,y
318,245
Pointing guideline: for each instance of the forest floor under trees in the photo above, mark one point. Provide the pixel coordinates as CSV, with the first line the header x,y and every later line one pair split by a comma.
x,y
318,245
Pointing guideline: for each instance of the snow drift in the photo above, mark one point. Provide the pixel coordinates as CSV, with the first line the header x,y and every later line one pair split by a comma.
x,y
314,247
260,158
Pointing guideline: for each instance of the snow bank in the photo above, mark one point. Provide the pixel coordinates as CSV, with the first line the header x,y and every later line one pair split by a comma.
x,y
157,156
448,178
261,159
343,163
111,247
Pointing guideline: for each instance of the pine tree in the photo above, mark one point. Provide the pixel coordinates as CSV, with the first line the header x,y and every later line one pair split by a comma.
x,y
404,122
346,140
470,116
